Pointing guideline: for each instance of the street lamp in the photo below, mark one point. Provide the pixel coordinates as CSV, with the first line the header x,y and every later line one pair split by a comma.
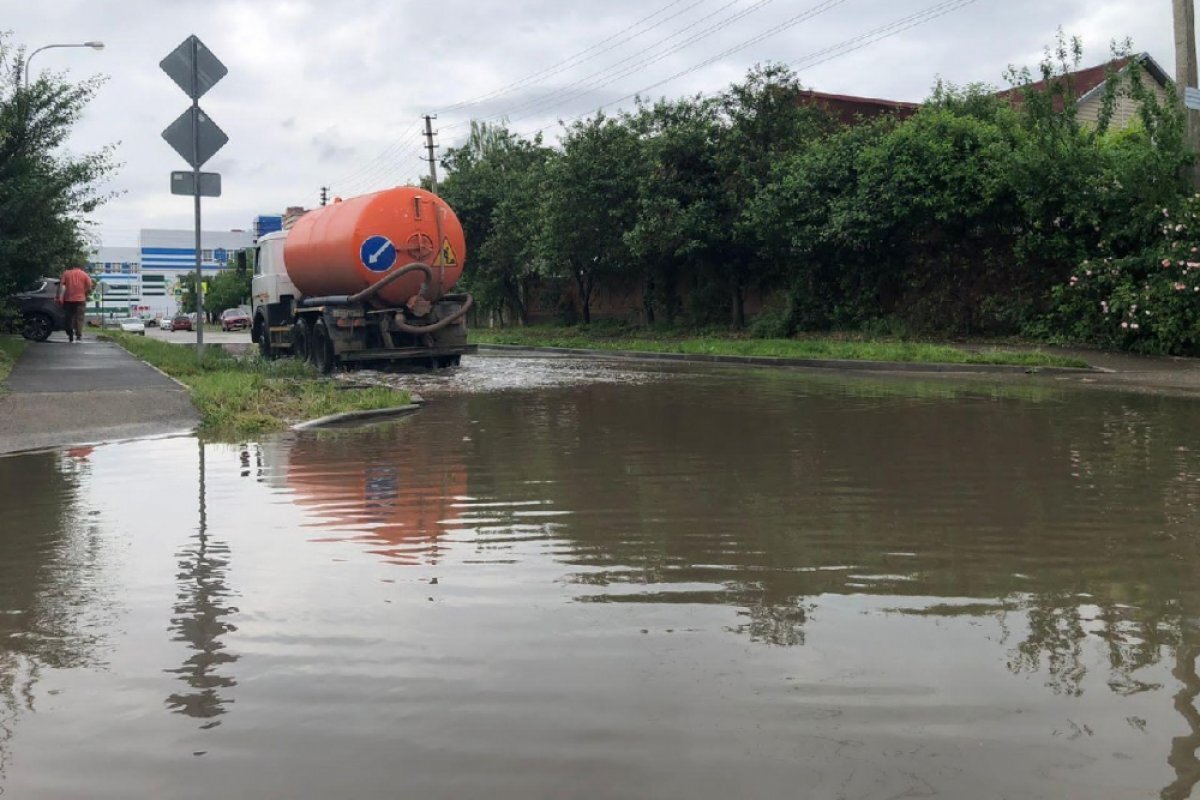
x,y
93,45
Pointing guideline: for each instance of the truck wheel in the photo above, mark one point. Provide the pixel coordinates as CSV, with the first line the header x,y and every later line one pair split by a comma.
x,y
323,357
37,327
301,344
264,341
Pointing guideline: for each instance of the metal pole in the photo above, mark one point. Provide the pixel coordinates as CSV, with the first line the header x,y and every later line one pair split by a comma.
x,y
196,195
1186,73
432,159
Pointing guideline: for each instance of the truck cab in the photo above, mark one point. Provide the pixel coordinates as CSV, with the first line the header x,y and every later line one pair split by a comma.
x,y
272,294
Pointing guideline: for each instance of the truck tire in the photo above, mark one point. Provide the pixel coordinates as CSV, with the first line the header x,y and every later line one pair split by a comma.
x,y
323,357
264,339
37,327
301,341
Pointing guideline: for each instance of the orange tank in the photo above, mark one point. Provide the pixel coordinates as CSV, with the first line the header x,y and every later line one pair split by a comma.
x,y
345,247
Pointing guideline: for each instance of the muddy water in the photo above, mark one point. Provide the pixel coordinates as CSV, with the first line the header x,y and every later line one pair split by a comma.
x,y
610,581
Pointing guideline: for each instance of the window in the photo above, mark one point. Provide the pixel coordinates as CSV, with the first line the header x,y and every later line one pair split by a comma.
x,y
257,262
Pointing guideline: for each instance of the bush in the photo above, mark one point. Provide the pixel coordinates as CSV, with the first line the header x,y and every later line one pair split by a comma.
x,y
1148,303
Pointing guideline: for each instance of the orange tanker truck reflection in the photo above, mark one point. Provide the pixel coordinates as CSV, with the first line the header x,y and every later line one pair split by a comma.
x,y
393,499
364,281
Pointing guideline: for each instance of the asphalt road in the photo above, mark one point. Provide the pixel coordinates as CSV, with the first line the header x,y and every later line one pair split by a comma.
x,y
62,394
210,336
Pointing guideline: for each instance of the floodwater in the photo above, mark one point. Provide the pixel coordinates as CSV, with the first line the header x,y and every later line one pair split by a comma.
x,y
564,579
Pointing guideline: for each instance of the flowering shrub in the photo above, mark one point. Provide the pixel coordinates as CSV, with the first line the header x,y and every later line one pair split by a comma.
x,y
1148,303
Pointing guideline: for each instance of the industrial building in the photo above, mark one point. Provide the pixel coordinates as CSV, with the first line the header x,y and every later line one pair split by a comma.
x,y
144,280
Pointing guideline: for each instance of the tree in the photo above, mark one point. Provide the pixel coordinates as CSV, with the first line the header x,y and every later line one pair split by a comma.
x,y
765,122
493,183
680,199
589,202
45,192
227,289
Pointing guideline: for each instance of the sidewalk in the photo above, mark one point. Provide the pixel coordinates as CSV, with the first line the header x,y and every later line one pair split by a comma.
x,y
60,394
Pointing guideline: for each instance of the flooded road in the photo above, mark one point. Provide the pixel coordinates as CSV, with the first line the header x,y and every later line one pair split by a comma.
x,y
568,579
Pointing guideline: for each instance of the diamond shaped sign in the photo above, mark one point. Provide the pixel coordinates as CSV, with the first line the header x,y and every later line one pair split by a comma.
x,y
179,135
193,55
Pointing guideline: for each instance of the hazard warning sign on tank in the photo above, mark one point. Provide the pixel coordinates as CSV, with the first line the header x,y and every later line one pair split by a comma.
x,y
446,257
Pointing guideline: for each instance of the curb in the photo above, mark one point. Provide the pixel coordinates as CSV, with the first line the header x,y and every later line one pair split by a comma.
x,y
812,363
356,416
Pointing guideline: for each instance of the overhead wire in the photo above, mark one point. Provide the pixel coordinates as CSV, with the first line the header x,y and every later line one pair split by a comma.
x,y
812,59
577,58
604,77
403,141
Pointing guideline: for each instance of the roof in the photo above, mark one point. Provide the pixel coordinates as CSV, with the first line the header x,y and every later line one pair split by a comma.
x,y
1085,82
849,109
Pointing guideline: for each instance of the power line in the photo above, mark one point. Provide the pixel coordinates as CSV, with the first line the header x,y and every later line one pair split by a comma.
x,y
546,101
577,58
812,59
369,169
385,163
415,129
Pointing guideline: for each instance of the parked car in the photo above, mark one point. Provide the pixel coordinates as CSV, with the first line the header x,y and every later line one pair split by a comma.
x,y
132,325
41,314
181,322
235,319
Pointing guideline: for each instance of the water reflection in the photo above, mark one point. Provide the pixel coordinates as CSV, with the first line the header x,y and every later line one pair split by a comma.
x,y
199,620
872,588
53,592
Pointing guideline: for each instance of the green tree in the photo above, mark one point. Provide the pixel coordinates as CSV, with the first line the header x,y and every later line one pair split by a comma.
x,y
680,199
227,289
493,183
589,203
45,191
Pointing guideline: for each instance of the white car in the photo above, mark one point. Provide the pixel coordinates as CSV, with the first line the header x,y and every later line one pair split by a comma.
x,y
132,325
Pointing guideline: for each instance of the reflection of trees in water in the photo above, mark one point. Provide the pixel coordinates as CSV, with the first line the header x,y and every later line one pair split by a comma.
x,y
199,620
1079,529
52,595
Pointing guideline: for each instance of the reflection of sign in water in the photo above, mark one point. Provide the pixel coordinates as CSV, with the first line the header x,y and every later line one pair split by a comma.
x,y
379,483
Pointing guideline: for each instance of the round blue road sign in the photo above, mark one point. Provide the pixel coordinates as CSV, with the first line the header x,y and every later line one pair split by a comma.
x,y
377,253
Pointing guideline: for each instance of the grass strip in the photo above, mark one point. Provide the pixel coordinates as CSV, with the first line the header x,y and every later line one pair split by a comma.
x,y
11,348
851,350
239,396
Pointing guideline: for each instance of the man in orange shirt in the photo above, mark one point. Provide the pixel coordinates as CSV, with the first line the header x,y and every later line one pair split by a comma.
x,y
73,290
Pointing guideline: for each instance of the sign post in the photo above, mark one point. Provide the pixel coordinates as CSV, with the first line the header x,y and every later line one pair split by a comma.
x,y
197,138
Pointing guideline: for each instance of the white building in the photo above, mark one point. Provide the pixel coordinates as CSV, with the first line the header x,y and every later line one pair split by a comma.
x,y
117,273
165,255
145,279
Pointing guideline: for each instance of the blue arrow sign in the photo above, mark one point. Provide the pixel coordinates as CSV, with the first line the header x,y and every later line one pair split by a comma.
x,y
377,253
219,255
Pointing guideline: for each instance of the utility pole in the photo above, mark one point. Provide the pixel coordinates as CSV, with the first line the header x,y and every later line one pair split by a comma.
x,y
324,195
430,147
1186,73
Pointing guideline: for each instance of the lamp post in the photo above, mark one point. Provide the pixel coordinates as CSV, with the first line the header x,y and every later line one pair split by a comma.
x,y
93,45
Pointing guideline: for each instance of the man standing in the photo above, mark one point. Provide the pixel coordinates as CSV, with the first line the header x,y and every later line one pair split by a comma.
x,y
73,290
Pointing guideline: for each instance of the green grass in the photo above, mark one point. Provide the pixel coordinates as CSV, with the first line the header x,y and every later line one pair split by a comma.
x,y
709,344
243,396
11,348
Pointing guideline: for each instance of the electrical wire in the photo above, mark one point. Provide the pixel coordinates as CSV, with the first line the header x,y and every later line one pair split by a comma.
x,y
577,58
812,59
599,79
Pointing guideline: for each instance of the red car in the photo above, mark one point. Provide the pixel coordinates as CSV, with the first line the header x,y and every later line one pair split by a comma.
x,y
181,322
233,319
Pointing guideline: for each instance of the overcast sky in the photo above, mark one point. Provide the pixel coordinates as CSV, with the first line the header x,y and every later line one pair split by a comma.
x,y
330,93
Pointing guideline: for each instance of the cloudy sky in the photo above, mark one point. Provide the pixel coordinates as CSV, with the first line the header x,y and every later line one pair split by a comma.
x,y
330,93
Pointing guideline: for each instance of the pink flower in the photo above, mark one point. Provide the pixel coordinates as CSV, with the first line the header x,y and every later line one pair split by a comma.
x,y
1179,287
1124,324
1134,326
1166,262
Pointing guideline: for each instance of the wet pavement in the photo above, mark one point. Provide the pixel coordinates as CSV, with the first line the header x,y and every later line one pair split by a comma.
x,y
61,393
615,580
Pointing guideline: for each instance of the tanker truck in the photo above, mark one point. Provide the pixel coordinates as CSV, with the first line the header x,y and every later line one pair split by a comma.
x,y
364,282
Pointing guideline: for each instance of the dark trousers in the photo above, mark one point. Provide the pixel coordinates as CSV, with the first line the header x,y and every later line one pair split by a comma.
x,y
74,319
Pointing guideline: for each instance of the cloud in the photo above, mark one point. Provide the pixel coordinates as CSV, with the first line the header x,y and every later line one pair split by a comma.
x,y
320,93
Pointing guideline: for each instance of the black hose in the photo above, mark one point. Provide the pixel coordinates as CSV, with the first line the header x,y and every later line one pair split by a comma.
x,y
468,301
370,291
